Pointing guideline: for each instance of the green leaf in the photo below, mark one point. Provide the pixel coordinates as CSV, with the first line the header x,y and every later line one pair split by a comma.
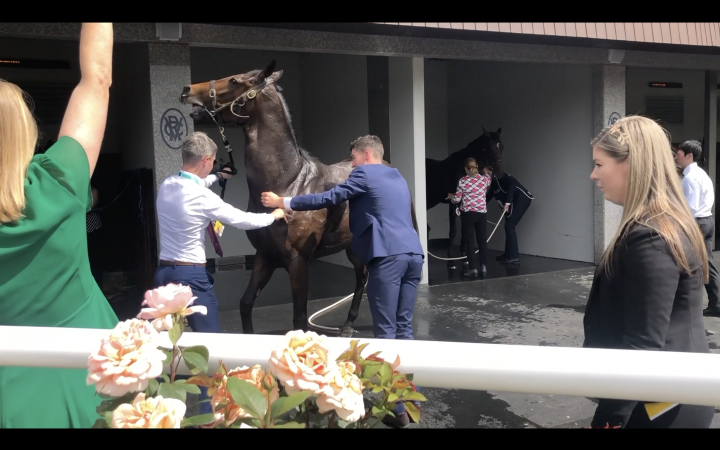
x,y
392,398
152,388
375,379
385,373
176,331
168,354
188,387
165,378
285,404
416,396
248,397
371,370
379,412
342,424
111,404
292,424
196,362
201,419
412,412
196,358
172,390
377,389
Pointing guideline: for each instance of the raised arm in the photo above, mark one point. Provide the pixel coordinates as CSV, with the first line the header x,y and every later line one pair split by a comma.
x,y
86,114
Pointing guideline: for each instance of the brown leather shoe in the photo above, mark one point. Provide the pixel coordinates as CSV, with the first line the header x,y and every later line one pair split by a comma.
x,y
401,420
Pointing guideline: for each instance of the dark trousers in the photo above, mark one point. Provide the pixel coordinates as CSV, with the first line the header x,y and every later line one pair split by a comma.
x,y
681,416
94,243
391,290
474,228
512,218
707,227
201,283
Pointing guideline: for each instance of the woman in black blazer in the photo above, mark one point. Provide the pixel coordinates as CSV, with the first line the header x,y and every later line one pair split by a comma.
x,y
647,290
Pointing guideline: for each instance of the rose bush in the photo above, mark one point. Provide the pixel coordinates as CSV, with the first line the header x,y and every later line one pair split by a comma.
x,y
303,386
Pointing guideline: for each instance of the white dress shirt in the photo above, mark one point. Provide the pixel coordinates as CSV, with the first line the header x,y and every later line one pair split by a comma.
x,y
185,207
698,190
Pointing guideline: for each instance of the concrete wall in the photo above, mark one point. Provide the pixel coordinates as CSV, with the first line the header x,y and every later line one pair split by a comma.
x,y
693,90
545,112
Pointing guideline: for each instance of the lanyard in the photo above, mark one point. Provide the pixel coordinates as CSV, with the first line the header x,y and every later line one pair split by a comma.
x,y
190,176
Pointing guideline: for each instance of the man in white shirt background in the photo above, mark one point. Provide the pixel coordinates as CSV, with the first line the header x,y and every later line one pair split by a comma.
x,y
700,195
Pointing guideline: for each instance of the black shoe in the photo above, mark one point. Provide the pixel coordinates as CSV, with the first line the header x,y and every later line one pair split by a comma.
x,y
483,270
509,261
471,273
712,312
401,420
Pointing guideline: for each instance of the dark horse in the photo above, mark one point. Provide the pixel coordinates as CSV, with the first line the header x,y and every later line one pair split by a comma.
x,y
274,162
442,176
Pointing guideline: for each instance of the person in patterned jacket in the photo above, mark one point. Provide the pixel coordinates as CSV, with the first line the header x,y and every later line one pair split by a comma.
x,y
471,193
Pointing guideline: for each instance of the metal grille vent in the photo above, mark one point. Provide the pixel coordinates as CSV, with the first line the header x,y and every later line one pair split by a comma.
x,y
49,101
665,109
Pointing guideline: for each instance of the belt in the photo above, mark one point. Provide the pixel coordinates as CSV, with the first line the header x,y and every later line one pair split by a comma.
x,y
164,262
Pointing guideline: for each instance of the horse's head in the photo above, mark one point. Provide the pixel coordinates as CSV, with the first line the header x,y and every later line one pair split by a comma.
x,y
232,98
487,149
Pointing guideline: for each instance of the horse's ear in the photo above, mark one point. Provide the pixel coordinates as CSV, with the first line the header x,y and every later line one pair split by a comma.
x,y
485,132
267,71
499,131
276,75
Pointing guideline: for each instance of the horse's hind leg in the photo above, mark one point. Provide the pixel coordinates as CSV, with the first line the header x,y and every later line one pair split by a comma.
x,y
299,284
262,271
361,276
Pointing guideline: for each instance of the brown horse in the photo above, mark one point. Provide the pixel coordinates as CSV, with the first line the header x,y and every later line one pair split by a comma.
x,y
274,162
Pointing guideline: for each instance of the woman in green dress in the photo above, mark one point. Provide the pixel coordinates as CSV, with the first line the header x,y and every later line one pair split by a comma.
x,y
45,277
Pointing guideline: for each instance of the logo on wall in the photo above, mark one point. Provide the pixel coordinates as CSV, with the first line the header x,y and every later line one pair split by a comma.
x,y
173,127
614,117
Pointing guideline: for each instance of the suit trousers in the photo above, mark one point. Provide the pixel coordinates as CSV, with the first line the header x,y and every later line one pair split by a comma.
x,y
201,283
707,227
391,289
517,210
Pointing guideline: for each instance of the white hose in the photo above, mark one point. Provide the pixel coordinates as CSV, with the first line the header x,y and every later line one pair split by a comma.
x,y
344,299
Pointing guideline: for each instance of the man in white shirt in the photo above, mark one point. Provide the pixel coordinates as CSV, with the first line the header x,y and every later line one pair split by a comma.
x,y
700,196
185,207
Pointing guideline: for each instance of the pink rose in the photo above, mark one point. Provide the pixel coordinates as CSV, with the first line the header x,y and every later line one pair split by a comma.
x,y
155,412
301,362
127,359
345,393
167,300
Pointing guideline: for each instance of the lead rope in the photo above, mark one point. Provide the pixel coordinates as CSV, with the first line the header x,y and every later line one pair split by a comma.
x,y
344,299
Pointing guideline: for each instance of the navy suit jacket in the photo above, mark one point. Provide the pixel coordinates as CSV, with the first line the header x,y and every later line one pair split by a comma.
x,y
380,217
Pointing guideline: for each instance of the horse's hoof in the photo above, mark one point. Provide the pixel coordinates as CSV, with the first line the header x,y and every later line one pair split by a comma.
x,y
346,332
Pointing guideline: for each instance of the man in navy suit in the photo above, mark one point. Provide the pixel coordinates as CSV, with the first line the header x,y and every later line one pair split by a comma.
x,y
383,234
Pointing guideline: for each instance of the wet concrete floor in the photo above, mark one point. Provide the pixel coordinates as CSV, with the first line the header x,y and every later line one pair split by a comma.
x,y
543,308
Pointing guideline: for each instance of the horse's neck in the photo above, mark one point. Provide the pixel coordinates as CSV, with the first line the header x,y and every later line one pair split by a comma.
x,y
272,159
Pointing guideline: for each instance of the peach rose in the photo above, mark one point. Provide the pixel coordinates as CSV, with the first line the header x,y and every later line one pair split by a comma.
x,y
127,359
167,300
154,412
232,412
301,362
346,396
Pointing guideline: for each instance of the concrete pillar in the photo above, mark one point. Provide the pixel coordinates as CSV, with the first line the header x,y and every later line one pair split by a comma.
x,y
710,134
608,107
407,134
169,72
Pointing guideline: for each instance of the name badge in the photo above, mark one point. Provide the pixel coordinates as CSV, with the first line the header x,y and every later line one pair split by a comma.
x,y
218,227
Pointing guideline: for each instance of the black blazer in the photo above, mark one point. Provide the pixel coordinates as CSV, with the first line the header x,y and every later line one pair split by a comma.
x,y
649,303
506,189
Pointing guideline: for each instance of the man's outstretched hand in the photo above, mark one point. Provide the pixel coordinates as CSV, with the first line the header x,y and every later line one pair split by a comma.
x,y
279,214
271,200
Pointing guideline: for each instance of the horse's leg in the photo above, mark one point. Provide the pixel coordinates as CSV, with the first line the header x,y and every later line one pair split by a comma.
x,y
262,271
451,265
361,274
299,284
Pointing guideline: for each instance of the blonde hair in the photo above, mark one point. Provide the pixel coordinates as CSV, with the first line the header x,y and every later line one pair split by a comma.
x,y
472,166
18,138
654,196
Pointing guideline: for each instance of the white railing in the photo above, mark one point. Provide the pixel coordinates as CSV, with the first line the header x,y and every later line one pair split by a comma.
x,y
656,376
